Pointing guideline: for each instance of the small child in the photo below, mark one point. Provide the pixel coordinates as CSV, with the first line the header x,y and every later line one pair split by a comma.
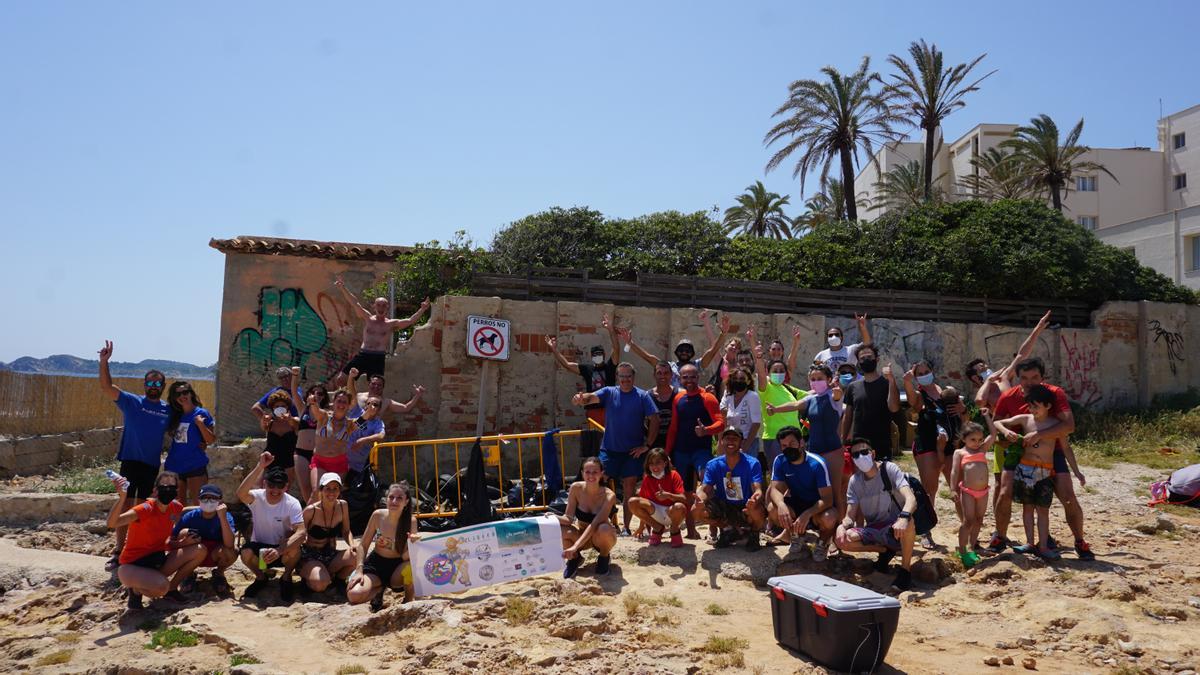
x,y
660,502
969,481
951,422
1033,478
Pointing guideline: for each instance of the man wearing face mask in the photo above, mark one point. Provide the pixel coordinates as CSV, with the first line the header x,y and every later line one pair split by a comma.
x,y
837,352
212,526
599,372
800,497
870,404
145,420
887,513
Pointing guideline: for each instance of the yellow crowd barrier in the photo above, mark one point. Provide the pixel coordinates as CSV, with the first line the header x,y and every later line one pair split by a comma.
x,y
494,449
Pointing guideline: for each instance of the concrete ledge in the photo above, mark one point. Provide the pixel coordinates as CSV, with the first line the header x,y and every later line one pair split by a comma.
x,y
34,508
34,455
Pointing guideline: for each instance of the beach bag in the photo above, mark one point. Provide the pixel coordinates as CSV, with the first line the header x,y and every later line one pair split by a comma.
x,y
924,518
1183,487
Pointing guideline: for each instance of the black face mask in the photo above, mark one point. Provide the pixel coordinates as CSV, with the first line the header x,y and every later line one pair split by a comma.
x,y
738,386
792,454
167,493
867,365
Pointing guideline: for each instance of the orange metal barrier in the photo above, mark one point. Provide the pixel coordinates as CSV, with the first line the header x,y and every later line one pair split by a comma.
x,y
494,448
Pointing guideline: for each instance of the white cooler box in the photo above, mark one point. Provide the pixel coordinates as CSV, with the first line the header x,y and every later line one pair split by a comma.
x,y
837,624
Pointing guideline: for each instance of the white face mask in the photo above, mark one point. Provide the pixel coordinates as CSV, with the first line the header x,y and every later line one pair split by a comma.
x,y
280,411
864,462
209,507
658,474
835,341
597,359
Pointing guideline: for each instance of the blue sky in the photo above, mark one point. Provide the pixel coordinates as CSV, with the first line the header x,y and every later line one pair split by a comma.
x,y
135,131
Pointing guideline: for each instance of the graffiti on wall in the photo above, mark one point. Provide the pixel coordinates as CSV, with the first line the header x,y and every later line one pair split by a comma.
x,y
905,343
1002,347
1080,363
289,333
1173,342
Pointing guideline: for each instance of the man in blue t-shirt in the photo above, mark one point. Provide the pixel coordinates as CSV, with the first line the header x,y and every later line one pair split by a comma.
x,y
211,525
631,425
800,496
732,494
289,380
145,428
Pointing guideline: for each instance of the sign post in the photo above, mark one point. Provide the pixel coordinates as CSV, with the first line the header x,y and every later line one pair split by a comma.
x,y
488,339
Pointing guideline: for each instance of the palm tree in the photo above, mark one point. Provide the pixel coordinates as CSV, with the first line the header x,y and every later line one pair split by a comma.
x,y
929,92
998,175
904,187
759,213
827,206
824,121
1048,164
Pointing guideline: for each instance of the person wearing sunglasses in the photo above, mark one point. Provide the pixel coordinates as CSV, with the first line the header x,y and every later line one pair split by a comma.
x,y
887,514
211,526
191,430
144,422
325,521
369,430
278,528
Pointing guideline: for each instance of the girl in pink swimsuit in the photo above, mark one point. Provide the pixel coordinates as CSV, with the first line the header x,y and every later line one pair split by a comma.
x,y
969,480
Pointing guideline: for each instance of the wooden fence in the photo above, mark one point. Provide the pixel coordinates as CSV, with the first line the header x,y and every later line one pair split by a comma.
x,y
664,290
32,405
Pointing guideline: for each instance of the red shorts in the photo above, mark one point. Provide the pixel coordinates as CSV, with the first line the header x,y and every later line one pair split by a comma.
x,y
848,467
339,465
209,548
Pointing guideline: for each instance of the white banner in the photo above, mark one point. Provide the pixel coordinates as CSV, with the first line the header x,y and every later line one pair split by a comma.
x,y
486,554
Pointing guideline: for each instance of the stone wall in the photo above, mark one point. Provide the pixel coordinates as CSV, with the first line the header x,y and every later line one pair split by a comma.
x,y
37,454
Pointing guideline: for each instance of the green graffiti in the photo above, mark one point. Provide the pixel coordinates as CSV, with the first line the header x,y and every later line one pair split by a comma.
x,y
289,332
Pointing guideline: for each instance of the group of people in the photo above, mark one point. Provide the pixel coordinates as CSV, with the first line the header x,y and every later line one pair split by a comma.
x,y
826,439
170,521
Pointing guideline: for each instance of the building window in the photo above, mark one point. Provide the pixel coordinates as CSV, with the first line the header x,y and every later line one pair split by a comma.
x,y
1195,249
1088,222
1180,181
1178,141
1085,183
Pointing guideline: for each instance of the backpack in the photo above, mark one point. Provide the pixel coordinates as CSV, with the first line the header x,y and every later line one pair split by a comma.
x,y
924,518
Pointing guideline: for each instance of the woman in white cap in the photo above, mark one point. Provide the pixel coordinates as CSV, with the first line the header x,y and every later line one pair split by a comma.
x,y
325,521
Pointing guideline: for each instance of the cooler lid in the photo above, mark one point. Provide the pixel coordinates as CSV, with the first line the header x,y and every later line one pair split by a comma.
x,y
834,594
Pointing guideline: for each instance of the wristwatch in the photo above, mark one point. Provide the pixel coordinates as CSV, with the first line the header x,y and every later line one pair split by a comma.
x,y
904,514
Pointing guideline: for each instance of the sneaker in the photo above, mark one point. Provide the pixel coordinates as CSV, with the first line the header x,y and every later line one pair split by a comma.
x,y
903,581
176,596
220,585
253,589
968,559
1051,542
377,601
676,540
883,563
602,565
134,601
796,547
927,541
820,551
997,544
752,542
726,539
572,566
655,538
1083,550
287,593
1024,548
112,563
1048,554
625,532
188,585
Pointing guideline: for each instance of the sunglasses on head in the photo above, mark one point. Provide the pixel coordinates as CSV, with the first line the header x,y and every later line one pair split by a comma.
x,y
859,453
154,383
180,392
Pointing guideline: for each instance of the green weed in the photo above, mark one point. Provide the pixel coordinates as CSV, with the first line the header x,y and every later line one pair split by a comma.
x,y
242,660
84,477
717,644
1164,436
716,610
170,638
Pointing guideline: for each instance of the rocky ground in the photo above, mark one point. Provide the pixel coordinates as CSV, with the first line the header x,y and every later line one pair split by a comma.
x,y
694,609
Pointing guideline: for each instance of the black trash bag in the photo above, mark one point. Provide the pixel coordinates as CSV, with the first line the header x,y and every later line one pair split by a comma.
x,y
476,506
362,493
589,443
559,504
531,493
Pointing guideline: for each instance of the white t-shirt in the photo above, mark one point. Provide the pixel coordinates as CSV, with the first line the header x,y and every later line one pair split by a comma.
x,y
743,414
273,521
836,357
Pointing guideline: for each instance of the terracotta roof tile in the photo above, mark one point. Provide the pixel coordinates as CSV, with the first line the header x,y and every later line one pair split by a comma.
x,y
307,248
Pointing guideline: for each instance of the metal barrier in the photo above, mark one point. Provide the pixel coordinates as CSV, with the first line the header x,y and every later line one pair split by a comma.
x,y
499,441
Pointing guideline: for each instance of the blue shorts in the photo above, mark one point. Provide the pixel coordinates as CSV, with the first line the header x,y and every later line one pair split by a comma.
x,y
690,465
618,465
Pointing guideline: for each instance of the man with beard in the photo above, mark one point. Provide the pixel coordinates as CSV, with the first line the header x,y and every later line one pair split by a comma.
x,y
870,404
685,351
145,425
695,418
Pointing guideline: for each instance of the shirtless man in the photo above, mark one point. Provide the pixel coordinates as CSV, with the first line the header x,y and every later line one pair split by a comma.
x,y
377,334
375,390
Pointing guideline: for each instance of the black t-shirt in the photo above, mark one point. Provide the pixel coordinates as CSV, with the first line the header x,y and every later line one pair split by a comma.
x,y
597,377
665,410
872,419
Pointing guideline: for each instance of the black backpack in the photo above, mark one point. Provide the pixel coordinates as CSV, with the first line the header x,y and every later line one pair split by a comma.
x,y
924,518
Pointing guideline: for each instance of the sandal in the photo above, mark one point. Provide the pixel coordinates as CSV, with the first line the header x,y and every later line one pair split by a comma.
x,y
112,563
1024,548
1049,554
220,585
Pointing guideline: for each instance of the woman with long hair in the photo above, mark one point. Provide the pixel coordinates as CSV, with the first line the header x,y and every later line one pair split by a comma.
x,y
585,522
306,435
334,435
280,427
389,529
325,521
190,427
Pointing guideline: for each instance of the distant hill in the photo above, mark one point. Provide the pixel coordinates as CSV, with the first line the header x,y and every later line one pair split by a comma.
x,y
64,364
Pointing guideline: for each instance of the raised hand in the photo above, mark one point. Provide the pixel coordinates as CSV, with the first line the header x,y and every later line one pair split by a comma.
x,y
425,304
605,321
797,332
625,334
759,352
725,324
418,390
106,351
860,318
265,459
704,314
551,342
354,373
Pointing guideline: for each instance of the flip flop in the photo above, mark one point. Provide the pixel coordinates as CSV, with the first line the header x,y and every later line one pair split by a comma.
x,y
1049,554
1024,548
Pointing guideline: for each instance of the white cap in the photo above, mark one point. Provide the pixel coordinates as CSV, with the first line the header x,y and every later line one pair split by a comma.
x,y
330,477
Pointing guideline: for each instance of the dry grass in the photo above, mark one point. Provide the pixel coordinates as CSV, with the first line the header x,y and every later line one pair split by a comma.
x,y
655,637
734,660
588,599
56,658
68,637
717,644
1164,436
350,669
518,610
715,609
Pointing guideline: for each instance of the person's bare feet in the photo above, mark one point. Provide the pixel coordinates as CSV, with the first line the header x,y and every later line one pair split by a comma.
x,y
693,534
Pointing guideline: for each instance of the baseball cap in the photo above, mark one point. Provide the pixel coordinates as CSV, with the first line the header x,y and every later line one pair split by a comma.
x,y
597,349
732,430
330,477
210,490
276,476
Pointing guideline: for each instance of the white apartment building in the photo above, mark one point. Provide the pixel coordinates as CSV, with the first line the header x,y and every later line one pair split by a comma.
x,y
1149,209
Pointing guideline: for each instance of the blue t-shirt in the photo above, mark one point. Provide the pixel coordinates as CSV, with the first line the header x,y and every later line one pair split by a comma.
x,y
187,446
804,480
823,418
145,425
209,529
737,485
262,402
358,458
624,417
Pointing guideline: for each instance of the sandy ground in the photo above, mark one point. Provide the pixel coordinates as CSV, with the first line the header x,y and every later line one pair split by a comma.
x,y
1135,609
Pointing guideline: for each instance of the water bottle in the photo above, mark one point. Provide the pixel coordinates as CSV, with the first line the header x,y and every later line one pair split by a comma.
x,y
111,475
262,562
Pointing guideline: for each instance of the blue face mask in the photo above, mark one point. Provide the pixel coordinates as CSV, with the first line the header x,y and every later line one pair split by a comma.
x,y
845,379
925,380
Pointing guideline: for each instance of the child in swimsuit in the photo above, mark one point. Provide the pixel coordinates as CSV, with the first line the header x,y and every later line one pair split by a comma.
x,y
1033,478
969,481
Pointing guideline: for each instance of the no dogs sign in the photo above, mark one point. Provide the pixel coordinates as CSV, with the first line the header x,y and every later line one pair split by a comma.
x,y
487,338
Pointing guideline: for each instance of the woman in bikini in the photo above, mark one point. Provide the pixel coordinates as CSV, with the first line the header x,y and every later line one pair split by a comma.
x,y
969,483
306,435
334,435
280,429
387,566
585,522
325,521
